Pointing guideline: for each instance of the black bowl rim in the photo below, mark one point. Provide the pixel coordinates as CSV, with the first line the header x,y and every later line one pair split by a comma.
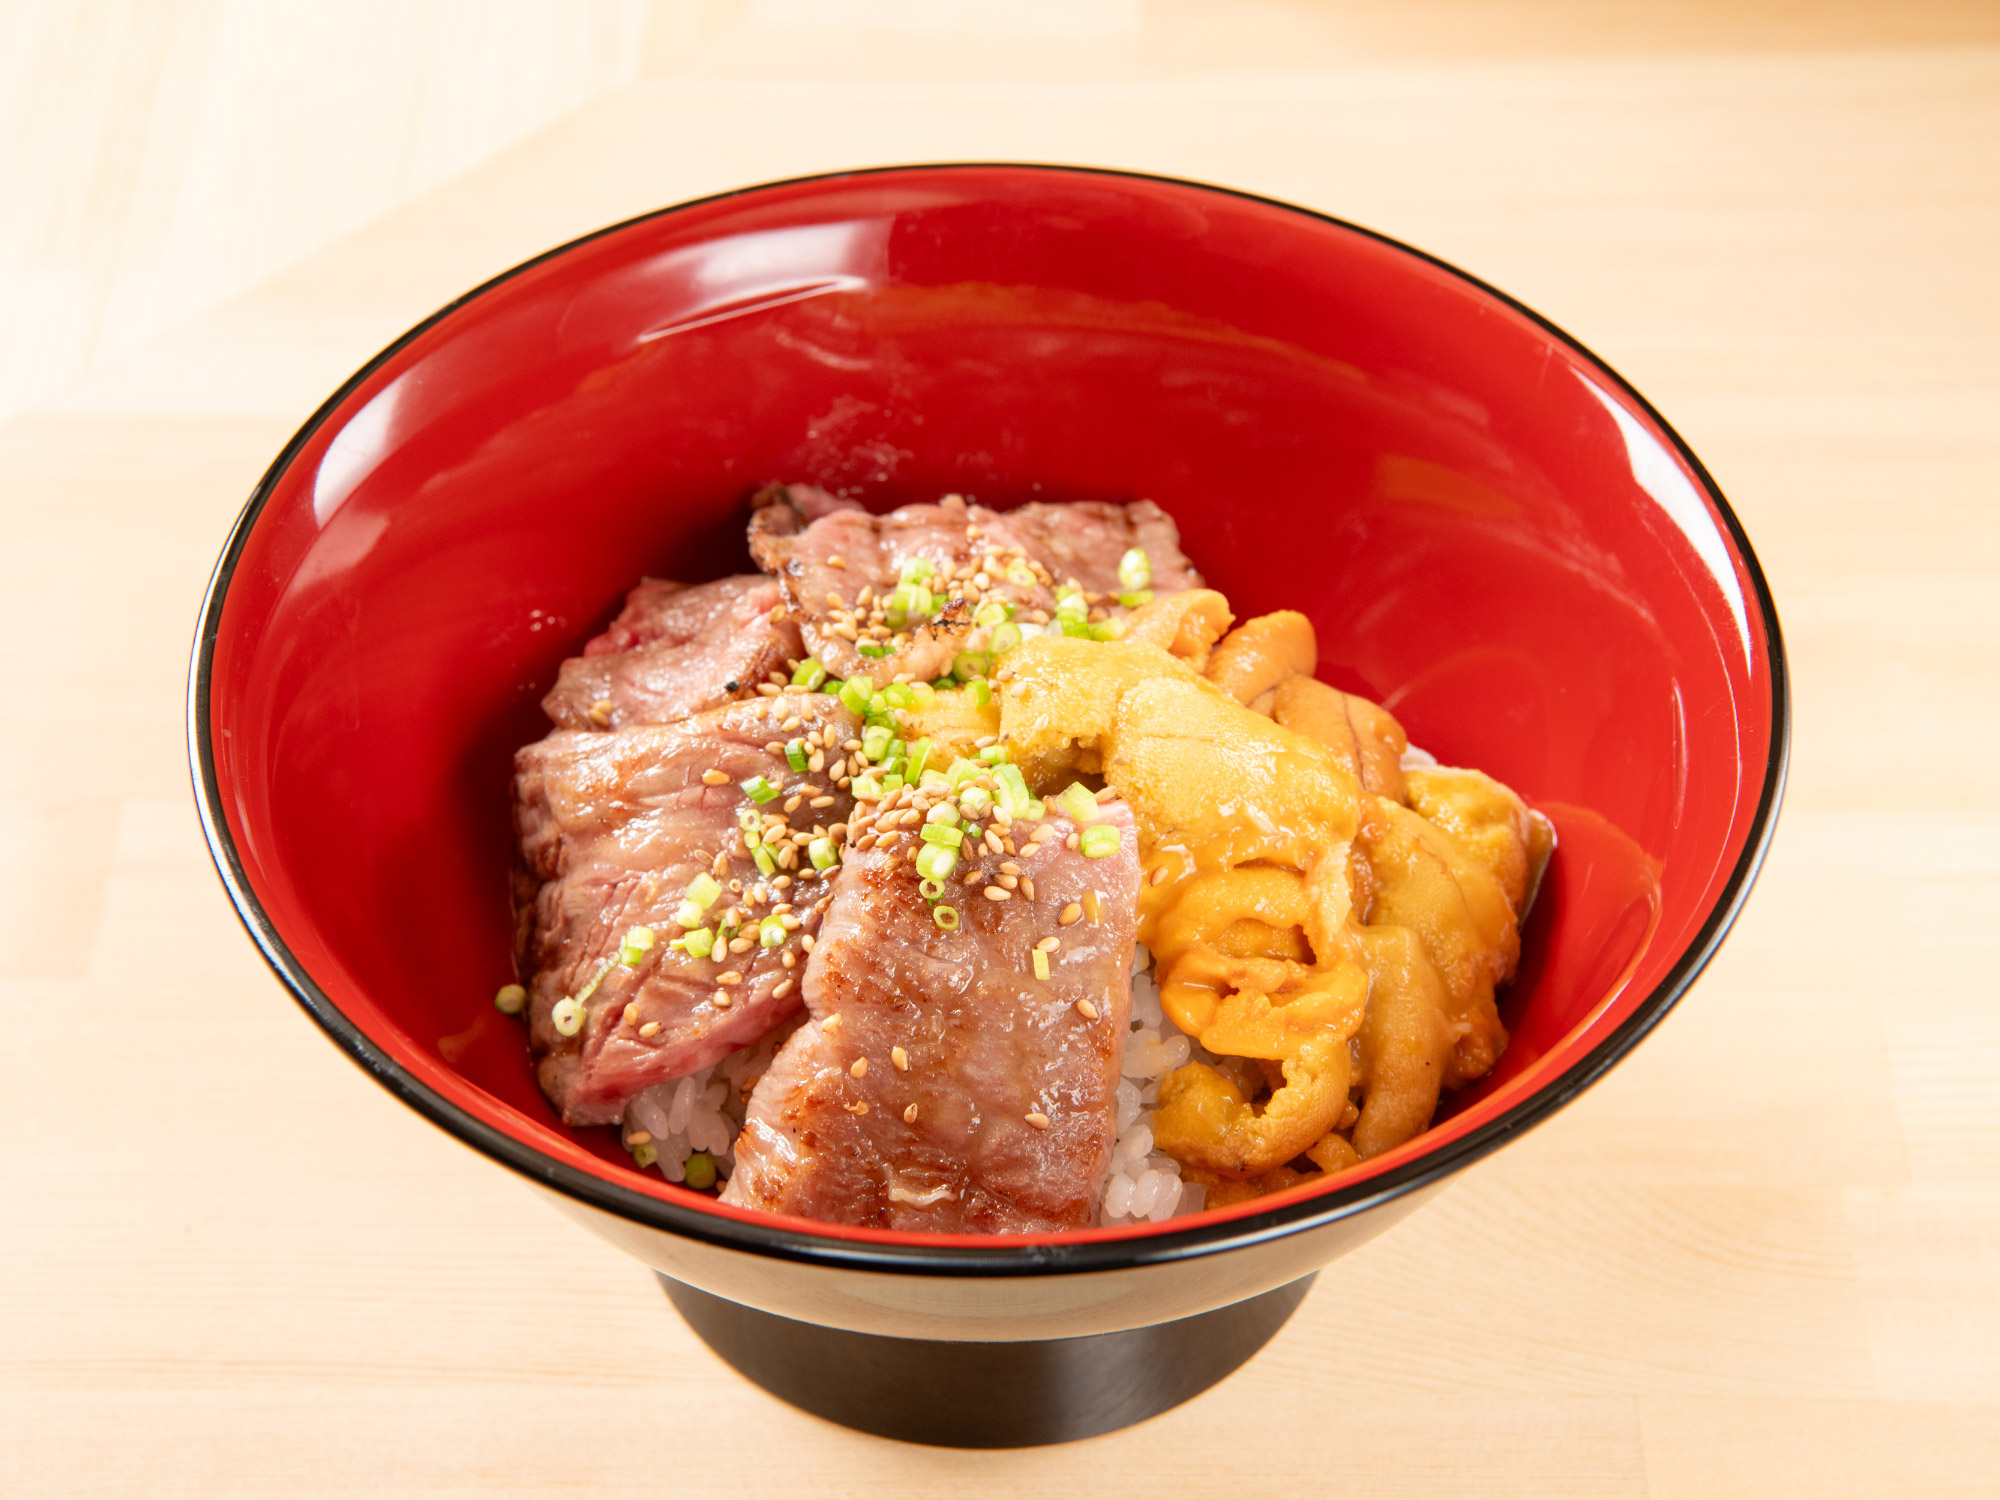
x,y
1000,1259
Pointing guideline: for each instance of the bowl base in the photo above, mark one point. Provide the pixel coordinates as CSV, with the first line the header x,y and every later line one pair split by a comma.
x,y
981,1395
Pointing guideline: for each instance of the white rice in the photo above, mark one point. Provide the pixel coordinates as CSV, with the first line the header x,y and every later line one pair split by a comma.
x,y
703,1111
1145,1184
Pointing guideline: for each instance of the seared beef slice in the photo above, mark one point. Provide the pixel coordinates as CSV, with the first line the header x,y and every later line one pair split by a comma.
x,y
938,1084
613,829
839,571
675,650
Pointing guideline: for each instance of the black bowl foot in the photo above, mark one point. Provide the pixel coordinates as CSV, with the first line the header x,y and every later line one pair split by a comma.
x,y
966,1395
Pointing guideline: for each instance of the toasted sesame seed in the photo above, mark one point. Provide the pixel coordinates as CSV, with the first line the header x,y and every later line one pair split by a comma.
x,y
836,561
792,805
1039,1120
639,1138
1010,868
993,841
631,1014
833,600
1105,793
900,1059
600,711
1049,944
739,945
859,1067
858,1107
715,778
909,1114
1027,888
996,893
721,999
650,1029
1070,913
1093,906
784,988
1011,882
806,942
729,977
769,689
777,614
973,877
1085,1009
788,958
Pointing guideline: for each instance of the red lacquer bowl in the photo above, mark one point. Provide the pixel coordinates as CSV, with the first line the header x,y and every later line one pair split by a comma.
x,y
1495,535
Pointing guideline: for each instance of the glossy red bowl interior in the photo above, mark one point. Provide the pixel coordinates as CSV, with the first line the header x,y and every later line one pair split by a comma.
x,y
1494,535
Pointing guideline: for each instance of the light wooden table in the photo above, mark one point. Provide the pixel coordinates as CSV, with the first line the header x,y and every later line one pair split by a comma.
x,y
1762,1258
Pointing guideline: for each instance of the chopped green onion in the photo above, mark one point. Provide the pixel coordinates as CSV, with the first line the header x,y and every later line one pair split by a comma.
x,y
1075,627
699,943
944,813
934,862
934,783
1013,791
916,570
930,890
942,834
898,695
994,755
1107,630
832,686
1076,800
749,822
688,914
968,665
975,800
875,741
922,694
795,754
1135,569
645,1154
920,754
946,917
891,784
1099,841
865,788
809,674
1005,638
702,891
1036,810
943,684
771,933
822,854
1133,598
855,693
963,770
727,927
566,1016
757,789
993,612
510,999
869,648
638,943
878,708
1021,575
1071,606
1041,964
698,1171
982,692
765,861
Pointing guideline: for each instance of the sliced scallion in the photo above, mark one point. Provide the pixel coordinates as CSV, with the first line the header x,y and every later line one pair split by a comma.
x,y
1005,638
935,862
766,862
1099,841
510,999
968,666
869,648
771,933
946,917
795,755
809,674
943,835
855,693
1135,569
1133,598
875,741
1076,800
702,891
982,692
930,890
822,854
699,943
758,790
645,1154
698,1171
566,1016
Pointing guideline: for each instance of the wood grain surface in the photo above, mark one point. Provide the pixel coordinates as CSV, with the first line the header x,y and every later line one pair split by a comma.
x,y
1761,1258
